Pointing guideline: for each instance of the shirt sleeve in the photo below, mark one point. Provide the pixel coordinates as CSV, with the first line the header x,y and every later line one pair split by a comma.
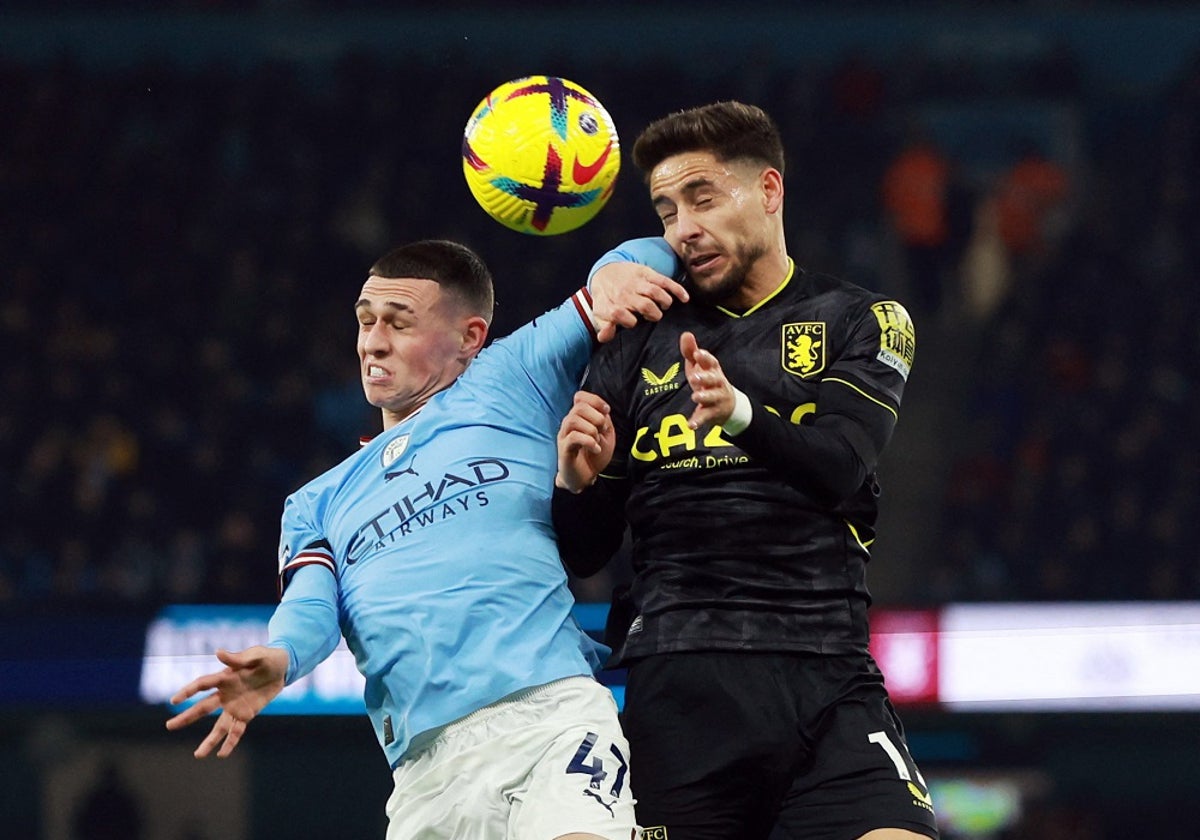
x,y
543,361
305,623
858,406
650,251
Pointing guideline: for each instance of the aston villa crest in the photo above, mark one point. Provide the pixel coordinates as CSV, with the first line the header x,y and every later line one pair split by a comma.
x,y
803,348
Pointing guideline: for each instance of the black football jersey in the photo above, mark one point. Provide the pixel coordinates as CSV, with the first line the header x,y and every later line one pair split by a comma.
x,y
738,541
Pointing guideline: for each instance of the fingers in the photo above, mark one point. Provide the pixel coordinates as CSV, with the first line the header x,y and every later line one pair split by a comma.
x,y
194,712
233,737
623,316
197,685
590,406
673,287
711,391
713,397
585,441
653,294
624,293
226,734
233,660
584,425
688,347
708,386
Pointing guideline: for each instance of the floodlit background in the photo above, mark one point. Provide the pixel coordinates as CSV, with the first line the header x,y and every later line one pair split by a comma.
x,y
191,192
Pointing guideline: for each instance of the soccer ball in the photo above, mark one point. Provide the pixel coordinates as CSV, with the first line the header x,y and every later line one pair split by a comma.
x,y
541,155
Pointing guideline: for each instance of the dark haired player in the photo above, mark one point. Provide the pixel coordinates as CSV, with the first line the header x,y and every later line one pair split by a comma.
x,y
430,550
739,437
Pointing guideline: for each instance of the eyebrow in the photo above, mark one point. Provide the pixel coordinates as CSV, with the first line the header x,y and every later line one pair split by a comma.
x,y
365,303
688,187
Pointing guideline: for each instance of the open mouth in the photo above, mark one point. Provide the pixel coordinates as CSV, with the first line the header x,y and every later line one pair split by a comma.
x,y
703,261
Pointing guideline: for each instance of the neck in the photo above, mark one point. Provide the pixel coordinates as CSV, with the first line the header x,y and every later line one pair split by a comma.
x,y
763,278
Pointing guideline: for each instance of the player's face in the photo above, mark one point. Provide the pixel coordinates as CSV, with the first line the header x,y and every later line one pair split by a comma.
x,y
715,216
411,343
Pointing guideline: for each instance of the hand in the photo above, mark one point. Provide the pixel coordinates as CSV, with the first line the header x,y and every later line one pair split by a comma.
x,y
586,440
711,391
251,679
621,291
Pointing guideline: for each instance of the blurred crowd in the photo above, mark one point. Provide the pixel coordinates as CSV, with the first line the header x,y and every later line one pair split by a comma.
x,y
1077,470
180,249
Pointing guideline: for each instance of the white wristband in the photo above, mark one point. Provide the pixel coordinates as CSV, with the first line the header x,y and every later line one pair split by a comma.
x,y
742,414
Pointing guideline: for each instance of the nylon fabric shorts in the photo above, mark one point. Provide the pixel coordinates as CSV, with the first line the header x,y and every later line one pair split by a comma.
x,y
769,745
545,762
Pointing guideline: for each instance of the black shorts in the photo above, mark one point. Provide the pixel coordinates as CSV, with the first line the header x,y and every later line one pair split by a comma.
x,y
766,745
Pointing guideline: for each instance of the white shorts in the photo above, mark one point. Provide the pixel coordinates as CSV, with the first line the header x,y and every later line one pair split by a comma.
x,y
545,762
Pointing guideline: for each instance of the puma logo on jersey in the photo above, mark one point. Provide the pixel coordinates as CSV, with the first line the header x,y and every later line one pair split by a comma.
x,y
660,384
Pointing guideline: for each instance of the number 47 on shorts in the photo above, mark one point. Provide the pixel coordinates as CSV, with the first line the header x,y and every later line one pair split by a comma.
x,y
598,775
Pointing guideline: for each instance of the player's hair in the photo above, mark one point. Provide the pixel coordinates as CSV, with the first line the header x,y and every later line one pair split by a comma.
x,y
456,268
730,130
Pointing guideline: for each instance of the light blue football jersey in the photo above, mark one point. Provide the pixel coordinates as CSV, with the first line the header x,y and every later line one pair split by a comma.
x,y
449,587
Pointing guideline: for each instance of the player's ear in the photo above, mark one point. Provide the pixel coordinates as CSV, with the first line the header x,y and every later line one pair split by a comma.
x,y
771,182
474,334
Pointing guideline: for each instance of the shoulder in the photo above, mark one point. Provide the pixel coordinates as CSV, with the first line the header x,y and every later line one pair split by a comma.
x,y
321,486
853,301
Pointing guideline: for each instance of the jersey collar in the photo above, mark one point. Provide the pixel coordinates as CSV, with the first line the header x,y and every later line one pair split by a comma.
x,y
787,279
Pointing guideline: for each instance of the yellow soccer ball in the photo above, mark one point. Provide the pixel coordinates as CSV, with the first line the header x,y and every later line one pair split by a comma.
x,y
541,155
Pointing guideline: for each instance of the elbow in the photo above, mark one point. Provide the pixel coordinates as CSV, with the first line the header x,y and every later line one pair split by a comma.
x,y
835,494
843,481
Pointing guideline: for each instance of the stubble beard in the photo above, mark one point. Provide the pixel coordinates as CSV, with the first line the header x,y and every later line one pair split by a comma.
x,y
723,289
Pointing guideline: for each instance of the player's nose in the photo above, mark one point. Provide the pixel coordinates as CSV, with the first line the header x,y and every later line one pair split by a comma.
x,y
375,343
686,225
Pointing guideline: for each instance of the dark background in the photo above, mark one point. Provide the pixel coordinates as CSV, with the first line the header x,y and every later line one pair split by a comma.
x,y
191,193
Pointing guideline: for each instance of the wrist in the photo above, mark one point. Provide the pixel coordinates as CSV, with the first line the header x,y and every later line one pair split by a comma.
x,y
574,487
742,414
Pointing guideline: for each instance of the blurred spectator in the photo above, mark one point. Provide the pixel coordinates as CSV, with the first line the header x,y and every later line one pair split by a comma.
x,y
1031,198
985,272
918,190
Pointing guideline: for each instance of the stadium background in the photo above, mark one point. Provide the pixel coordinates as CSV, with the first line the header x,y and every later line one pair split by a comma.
x,y
191,191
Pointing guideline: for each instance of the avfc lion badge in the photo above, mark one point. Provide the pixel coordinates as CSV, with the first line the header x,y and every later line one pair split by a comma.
x,y
803,348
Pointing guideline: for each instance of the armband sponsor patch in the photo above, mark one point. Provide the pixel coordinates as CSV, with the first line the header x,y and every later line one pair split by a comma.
x,y
803,348
897,337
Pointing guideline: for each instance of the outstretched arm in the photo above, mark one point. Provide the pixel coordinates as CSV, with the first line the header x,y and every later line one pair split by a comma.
x,y
250,680
302,632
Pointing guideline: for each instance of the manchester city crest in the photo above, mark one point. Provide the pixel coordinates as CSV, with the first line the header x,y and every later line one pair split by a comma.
x,y
394,450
